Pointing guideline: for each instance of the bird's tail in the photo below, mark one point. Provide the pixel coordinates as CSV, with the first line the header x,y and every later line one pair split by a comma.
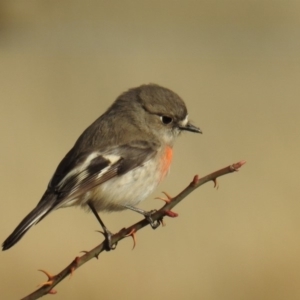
x,y
40,211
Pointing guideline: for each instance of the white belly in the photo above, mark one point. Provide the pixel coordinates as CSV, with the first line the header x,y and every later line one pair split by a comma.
x,y
127,189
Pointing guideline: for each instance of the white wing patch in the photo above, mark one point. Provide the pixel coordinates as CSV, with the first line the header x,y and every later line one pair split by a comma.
x,y
103,171
112,158
79,169
80,180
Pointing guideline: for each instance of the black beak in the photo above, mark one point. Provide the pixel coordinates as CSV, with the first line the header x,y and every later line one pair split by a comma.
x,y
190,127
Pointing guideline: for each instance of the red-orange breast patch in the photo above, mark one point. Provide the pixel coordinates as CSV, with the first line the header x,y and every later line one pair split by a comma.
x,y
167,159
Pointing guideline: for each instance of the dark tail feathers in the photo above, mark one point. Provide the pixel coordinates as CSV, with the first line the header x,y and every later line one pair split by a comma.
x,y
32,218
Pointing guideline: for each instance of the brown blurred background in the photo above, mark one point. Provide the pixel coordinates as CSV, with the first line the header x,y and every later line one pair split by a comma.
x,y
236,64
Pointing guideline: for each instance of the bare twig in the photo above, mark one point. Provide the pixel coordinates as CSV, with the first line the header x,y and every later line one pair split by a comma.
x,y
47,288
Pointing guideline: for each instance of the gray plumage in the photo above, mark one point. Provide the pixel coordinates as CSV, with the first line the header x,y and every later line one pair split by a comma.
x,y
125,139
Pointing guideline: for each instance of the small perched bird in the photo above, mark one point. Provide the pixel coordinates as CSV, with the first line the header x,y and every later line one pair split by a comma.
x,y
118,160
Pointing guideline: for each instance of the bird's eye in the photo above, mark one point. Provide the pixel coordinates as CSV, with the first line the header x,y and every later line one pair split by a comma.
x,y
166,120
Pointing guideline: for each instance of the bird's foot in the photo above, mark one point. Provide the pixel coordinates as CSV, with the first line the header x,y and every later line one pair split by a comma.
x,y
108,240
148,216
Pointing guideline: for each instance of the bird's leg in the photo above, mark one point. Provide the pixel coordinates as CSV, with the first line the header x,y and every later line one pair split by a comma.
x,y
107,233
146,214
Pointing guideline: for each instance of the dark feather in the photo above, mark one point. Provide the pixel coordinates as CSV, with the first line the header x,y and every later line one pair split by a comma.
x,y
40,211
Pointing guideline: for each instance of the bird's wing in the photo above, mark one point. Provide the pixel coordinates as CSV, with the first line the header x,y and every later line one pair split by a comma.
x,y
95,167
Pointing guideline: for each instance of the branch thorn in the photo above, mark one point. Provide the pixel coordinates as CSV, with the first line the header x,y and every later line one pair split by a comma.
x,y
171,214
195,180
74,265
133,235
236,166
216,185
50,279
167,200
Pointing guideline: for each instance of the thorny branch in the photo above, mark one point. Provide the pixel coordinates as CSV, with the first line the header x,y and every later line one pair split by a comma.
x,y
47,288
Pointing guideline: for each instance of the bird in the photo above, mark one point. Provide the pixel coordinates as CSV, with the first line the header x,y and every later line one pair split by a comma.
x,y
117,161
